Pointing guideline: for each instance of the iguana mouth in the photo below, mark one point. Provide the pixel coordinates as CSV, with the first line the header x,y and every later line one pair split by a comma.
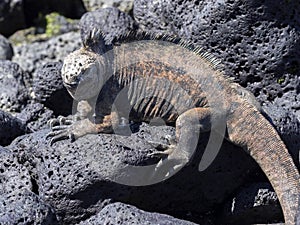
x,y
72,85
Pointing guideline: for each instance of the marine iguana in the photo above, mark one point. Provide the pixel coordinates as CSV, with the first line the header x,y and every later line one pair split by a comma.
x,y
165,77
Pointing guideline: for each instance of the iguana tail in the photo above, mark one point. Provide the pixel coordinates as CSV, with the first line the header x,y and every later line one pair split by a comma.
x,y
248,128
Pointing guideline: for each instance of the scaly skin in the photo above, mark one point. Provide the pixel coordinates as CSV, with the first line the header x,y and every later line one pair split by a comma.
x,y
147,77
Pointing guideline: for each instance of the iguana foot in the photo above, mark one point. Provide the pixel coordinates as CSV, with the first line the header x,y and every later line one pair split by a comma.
x,y
60,135
73,131
172,163
163,149
172,158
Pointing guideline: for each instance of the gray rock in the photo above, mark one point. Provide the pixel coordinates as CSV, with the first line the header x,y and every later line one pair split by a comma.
x,y
48,89
58,24
35,116
10,128
111,21
123,5
286,123
11,16
13,86
256,203
18,204
46,80
19,14
32,56
79,179
284,92
256,41
152,15
119,213
6,50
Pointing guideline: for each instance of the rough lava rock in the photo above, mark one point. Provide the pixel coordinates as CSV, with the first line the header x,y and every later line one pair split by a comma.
x,y
120,213
32,56
256,41
14,87
123,5
48,89
287,124
6,50
79,179
36,116
10,128
18,203
58,24
111,21
256,203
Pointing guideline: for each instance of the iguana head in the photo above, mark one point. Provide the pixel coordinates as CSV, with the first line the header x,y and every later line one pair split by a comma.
x,y
82,74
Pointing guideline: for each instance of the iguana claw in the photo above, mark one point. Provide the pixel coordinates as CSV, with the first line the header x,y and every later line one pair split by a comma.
x,y
75,130
173,161
60,129
58,135
175,169
171,164
60,120
168,150
163,149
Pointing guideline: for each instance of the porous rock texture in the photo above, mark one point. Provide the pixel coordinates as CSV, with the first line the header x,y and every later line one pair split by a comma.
x,y
10,128
35,116
286,123
6,51
18,203
32,56
257,41
250,203
58,24
120,213
111,21
14,89
48,89
123,5
79,179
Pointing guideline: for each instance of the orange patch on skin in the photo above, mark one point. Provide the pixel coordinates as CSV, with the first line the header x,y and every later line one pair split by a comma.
x,y
105,126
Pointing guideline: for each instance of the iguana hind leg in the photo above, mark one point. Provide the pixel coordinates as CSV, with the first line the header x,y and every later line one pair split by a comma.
x,y
188,127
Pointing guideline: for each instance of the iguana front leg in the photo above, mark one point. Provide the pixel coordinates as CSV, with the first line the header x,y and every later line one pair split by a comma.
x,y
80,128
81,124
188,128
84,110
